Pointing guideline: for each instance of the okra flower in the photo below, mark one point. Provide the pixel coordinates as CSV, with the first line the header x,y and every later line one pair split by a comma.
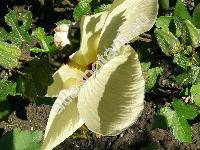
x,y
102,86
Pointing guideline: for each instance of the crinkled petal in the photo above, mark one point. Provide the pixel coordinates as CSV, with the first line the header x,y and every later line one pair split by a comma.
x,y
126,20
112,98
64,78
64,119
90,31
61,35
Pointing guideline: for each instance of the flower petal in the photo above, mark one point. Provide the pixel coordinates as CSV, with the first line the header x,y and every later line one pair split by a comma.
x,y
61,35
64,119
126,20
63,78
90,31
112,99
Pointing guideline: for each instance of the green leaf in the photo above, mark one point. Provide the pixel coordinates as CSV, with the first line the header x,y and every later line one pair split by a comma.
x,y
181,129
196,16
195,93
102,8
38,50
9,55
19,34
83,8
181,11
6,88
27,20
182,28
3,35
195,59
46,42
185,111
192,75
151,75
194,34
183,78
145,66
190,35
177,120
37,79
195,70
181,60
164,4
168,42
21,140
163,22
64,21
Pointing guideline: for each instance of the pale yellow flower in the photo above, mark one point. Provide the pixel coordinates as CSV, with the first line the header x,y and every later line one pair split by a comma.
x,y
112,97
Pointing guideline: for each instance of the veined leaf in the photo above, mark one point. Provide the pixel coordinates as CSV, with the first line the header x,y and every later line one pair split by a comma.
x,y
21,140
9,55
194,34
83,8
181,129
3,35
150,75
190,76
164,22
46,42
19,34
181,11
176,119
195,93
184,32
185,111
145,66
6,88
190,35
168,42
181,60
26,17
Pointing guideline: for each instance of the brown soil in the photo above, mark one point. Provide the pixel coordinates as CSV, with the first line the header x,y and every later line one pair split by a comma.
x,y
139,136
